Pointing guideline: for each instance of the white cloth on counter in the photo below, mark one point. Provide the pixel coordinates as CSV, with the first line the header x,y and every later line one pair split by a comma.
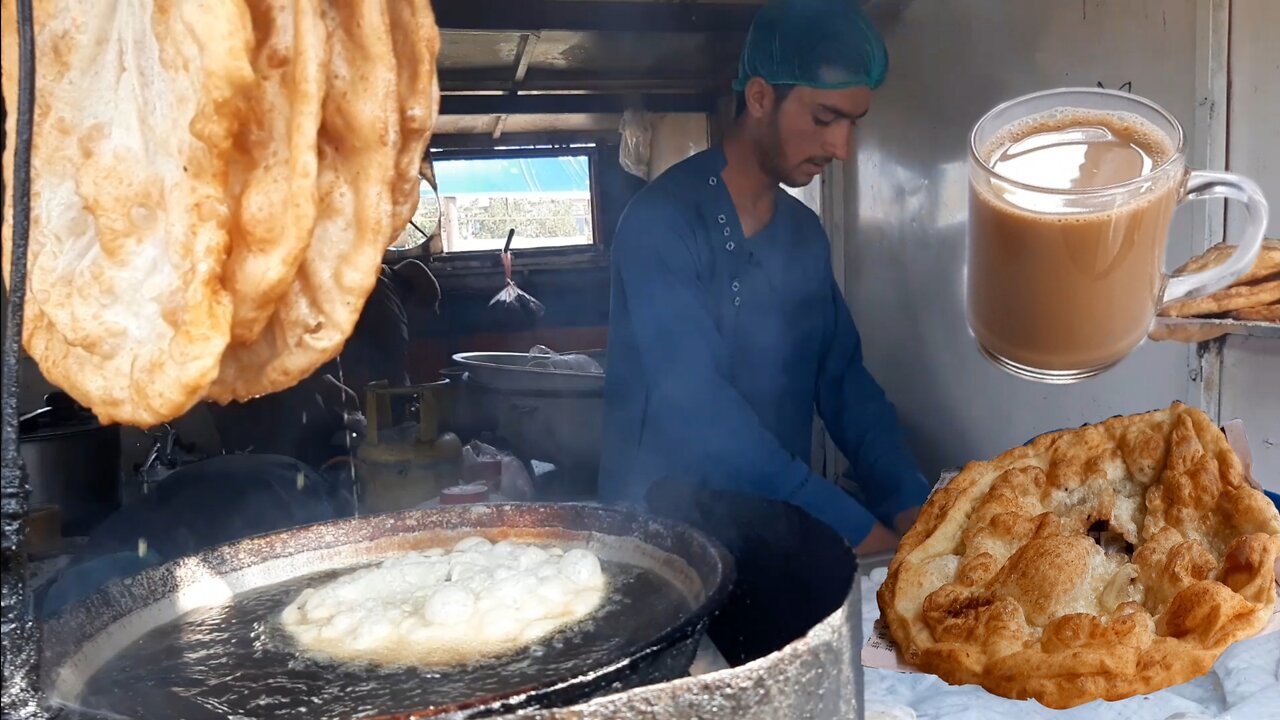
x,y
1243,685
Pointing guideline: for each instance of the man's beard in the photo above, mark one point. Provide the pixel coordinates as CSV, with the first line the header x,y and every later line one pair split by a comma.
x,y
774,164
771,158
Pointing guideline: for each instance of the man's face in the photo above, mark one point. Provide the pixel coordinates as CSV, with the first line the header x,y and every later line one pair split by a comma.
x,y
808,129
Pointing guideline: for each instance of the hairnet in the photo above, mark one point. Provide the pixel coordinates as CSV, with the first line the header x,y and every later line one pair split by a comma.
x,y
826,44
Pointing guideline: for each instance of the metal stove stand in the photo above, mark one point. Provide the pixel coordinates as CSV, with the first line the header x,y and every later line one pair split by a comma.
x,y
20,696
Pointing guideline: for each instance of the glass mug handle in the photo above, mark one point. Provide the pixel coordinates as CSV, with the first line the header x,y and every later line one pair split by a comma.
x,y
1202,184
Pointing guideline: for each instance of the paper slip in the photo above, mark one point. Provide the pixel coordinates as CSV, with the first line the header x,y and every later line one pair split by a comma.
x,y
1240,443
880,652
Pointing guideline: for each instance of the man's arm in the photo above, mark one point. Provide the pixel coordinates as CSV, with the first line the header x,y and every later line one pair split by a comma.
x,y
694,410
865,426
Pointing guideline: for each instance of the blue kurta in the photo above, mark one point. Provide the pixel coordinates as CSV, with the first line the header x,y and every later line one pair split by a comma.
x,y
722,346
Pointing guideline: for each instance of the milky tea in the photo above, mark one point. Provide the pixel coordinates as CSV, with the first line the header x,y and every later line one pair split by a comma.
x,y
1064,281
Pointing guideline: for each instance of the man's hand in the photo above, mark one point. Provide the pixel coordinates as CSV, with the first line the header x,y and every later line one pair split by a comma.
x,y
905,520
882,539
879,539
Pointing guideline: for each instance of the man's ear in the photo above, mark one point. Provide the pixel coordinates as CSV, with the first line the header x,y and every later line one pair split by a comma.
x,y
759,97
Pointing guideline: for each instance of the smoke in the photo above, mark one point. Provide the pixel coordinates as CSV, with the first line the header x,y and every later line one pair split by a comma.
x,y
198,506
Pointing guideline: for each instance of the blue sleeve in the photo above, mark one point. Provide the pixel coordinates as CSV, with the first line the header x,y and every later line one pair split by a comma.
x,y
864,424
693,409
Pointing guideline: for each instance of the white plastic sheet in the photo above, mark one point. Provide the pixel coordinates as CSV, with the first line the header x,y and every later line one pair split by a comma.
x,y
547,359
637,143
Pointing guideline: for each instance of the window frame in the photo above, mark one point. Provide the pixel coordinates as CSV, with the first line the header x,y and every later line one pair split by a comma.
x,y
485,260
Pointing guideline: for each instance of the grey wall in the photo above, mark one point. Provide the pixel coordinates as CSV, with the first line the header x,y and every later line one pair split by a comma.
x,y
1251,366
905,203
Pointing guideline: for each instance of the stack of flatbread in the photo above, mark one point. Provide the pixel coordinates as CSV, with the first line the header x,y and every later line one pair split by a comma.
x,y
214,183
1254,297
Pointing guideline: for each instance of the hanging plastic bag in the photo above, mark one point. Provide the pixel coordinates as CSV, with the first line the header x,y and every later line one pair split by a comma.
x,y
637,140
512,296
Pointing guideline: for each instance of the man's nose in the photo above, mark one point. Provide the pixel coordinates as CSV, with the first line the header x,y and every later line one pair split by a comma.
x,y
838,143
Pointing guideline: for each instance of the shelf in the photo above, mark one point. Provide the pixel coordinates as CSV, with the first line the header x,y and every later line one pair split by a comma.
x,y
1202,329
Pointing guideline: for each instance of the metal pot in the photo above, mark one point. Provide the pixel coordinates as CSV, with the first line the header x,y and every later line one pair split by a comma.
x,y
562,427
73,461
549,415
811,670
817,677
517,372
463,414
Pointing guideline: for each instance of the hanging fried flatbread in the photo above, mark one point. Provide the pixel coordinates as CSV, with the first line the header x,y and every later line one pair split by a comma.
x,y
358,142
272,176
1265,313
1267,264
1233,298
417,44
136,108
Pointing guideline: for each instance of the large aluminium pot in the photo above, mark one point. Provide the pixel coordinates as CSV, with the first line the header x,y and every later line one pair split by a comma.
x,y
549,415
816,677
562,427
791,625
519,372
73,461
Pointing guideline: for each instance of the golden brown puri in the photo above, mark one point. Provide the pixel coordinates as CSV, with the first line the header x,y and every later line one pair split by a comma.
x,y
1099,563
135,117
1258,287
1267,264
214,185
1234,298
271,179
370,122
1264,313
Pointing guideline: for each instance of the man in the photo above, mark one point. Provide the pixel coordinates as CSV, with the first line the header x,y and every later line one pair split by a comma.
x,y
727,328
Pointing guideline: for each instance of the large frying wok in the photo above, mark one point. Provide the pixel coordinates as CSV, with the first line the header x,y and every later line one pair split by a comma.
x,y
233,594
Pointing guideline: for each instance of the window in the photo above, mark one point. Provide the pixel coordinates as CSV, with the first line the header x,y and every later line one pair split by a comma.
x,y
546,198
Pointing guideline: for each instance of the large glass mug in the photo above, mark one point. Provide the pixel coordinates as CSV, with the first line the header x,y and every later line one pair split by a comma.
x,y
1064,278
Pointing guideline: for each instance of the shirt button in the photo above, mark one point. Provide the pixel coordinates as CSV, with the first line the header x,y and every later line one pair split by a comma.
x,y
729,246
727,232
712,181
737,301
723,219
736,286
